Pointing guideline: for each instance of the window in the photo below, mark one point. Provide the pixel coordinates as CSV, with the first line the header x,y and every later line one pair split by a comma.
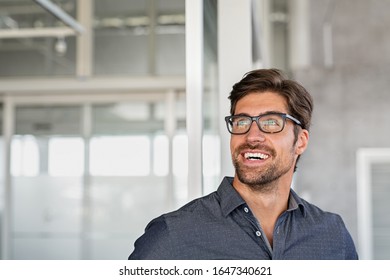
x,y
120,156
66,156
373,180
24,156
161,155
180,155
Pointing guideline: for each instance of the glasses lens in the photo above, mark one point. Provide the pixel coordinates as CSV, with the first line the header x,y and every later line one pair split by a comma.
x,y
271,123
239,124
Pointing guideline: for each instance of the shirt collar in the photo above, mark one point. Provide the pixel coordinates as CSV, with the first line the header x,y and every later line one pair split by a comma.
x,y
295,202
230,199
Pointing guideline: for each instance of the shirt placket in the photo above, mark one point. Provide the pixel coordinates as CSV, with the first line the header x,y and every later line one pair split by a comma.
x,y
279,237
258,232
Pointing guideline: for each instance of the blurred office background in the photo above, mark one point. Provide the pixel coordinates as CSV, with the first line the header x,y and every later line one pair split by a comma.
x,y
112,113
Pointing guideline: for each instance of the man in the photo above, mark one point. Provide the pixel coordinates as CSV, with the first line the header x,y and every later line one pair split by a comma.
x,y
256,214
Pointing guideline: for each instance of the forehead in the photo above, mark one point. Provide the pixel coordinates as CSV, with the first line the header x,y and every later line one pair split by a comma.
x,y
256,103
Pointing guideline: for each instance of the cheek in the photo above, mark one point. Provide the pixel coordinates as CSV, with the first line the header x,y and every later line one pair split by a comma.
x,y
288,146
234,142
233,146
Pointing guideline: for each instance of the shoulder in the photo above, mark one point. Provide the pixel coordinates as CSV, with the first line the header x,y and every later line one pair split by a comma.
x,y
166,236
329,228
192,215
315,214
151,244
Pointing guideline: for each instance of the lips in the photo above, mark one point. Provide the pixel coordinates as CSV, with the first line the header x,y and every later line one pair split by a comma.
x,y
255,153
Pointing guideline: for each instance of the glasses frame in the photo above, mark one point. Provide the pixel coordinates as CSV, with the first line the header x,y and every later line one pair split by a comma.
x,y
256,119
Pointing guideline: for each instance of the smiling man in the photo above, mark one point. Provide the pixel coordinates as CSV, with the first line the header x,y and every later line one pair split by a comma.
x,y
256,214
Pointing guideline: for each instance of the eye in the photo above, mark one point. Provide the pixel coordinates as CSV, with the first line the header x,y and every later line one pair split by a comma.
x,y
271,122
241,122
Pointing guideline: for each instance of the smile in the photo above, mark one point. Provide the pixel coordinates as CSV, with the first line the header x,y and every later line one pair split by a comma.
x,y
255,156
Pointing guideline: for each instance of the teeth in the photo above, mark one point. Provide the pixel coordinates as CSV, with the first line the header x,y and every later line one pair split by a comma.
x,y
255,156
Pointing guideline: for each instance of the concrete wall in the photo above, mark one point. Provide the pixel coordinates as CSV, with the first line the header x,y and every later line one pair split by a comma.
x,y
352,100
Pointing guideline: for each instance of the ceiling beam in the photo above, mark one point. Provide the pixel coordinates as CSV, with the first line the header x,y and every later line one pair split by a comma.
x,y
61,15
37,32
97,84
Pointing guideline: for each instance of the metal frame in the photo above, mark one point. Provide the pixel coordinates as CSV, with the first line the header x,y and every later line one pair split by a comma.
x,y
56,86
61,14
234,60
299,39
6,225
37,32
74,28
84,44
194,78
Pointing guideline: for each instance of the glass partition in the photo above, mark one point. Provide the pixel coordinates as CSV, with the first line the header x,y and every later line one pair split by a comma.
x,y
47,168
89,195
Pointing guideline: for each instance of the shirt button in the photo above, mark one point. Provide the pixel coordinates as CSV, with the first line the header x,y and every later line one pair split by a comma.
x,y
246,209
258,233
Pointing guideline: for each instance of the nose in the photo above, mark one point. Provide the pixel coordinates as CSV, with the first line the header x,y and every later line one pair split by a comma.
x,y
255,134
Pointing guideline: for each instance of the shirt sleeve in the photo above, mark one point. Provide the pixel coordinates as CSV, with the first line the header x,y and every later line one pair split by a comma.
x,y
155,243
350,250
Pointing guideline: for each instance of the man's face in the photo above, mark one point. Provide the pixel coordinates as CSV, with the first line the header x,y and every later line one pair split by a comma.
x,y
259,158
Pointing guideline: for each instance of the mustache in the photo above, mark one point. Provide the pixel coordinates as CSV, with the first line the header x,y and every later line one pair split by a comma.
x,y
256,146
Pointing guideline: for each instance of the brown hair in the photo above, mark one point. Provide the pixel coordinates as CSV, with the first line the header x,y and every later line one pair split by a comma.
x,y
299,100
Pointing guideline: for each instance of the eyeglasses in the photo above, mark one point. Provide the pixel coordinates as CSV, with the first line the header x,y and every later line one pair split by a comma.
x,y
268,123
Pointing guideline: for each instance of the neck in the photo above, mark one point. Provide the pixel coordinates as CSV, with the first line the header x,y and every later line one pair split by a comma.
x,y
267,203
267,198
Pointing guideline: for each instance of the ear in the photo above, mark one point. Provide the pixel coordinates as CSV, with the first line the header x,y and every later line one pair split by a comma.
x,y
302,141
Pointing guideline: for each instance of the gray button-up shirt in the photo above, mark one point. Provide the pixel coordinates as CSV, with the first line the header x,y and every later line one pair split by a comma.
x,y
222,226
